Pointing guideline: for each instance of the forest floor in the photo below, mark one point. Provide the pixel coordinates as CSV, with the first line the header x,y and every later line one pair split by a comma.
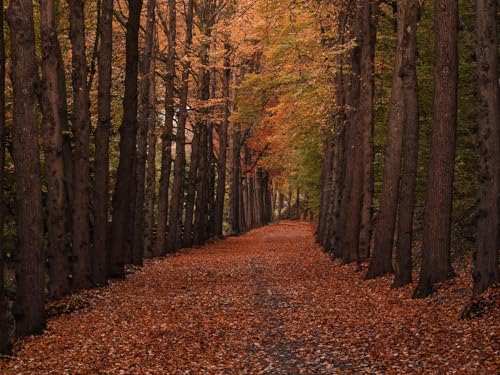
x,y
269,302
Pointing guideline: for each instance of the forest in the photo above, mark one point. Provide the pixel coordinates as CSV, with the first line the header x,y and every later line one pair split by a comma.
x,y
241,186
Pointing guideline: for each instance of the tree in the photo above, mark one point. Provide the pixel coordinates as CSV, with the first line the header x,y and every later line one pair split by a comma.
x,y
177,201
381,262
4,336
436,263
166,142
30,275
57,253
122,224
354,177
146,75
80,119
488,226
223,138
102,133
150,194
403,263
366,108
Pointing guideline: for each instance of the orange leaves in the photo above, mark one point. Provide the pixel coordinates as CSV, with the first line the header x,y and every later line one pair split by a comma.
x,y
269,302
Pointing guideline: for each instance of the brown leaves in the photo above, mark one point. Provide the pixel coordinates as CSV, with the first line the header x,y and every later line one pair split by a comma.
x,y
269,302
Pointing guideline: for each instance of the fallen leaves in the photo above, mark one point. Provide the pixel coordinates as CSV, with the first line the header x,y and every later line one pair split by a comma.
x,y
269,302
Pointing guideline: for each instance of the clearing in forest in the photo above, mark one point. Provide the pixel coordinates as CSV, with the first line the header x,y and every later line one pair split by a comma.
x,y
269,302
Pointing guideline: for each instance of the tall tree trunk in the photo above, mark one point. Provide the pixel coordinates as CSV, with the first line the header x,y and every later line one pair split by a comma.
x,y
80,120
30,270
353,198
5,344
166,143
142,136
381,262
235,181
436,263
125,180
201,212
58,258
488,232
298,204
223,139
177,201
403,270
367,120
166,168
191,190
150,193
101,189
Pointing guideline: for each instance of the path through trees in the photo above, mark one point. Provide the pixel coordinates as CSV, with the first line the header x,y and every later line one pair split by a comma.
x,y
267,302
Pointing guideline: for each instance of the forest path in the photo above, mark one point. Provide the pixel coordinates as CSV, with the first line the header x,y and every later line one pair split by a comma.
x,y
269,302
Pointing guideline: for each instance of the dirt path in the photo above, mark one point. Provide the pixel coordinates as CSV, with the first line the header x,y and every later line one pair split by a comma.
x,y
269,302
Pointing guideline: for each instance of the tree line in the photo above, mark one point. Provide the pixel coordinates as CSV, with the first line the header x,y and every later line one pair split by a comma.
x,y
346,221
81,202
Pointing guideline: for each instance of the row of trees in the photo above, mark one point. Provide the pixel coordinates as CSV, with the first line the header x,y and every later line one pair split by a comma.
x,y
346,220
89,202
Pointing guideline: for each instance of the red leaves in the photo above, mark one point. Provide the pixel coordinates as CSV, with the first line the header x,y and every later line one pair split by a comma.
x,y
268,302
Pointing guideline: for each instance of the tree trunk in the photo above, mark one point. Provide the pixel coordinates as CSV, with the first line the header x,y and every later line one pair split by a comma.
x,y
436,263
125,180
102,133
5,344
177,201
191,190
80,120
142,135
166,168
488,232
30,271
57,252
235,182
366,117
353,197
403,270
223,140
150,193
381,262
201,216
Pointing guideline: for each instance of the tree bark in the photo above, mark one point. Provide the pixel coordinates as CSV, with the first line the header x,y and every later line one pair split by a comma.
x,y
191,190
30,271
80,120
101,189
381,262
436,263
150,193
125,180
353,197
403,269
223,139
177,202
488,226
5,344
57,251
142,135
369,32
235,181
166,168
